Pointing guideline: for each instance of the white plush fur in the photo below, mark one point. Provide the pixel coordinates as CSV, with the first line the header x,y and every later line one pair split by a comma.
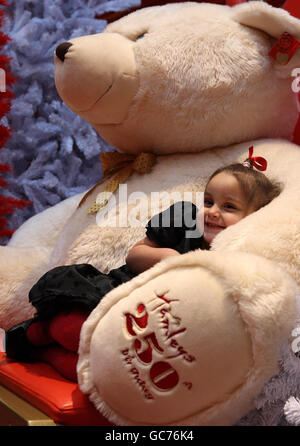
x,y
199,89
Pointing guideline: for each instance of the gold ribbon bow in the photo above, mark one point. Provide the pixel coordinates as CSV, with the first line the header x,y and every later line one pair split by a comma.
x,y
123,165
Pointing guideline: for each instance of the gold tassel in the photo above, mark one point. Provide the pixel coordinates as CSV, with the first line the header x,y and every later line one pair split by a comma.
x,y
122,165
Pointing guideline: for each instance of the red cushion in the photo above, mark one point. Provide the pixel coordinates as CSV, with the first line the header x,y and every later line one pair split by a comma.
x,y
45,389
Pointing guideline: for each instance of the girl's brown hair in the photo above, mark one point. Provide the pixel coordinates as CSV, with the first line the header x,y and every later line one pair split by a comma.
x,y
258,189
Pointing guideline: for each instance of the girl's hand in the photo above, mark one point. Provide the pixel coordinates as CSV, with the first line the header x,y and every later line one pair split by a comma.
x,y
146,253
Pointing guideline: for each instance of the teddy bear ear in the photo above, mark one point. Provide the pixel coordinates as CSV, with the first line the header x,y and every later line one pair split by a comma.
x,y
262,16
274,22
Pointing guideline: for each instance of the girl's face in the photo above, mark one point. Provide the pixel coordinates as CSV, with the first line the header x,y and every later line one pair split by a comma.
x,y
224,205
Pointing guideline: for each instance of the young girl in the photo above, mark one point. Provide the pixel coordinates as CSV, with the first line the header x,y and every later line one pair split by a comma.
x,y
65,295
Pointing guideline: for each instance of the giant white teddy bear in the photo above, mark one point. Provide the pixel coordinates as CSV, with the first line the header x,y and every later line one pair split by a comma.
x,y
194,339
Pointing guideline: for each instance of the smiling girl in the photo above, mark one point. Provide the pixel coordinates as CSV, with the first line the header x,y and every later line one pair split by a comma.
x,y
231,193
235,191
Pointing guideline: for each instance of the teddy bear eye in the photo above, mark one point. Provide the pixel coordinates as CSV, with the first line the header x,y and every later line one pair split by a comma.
x,y
140,36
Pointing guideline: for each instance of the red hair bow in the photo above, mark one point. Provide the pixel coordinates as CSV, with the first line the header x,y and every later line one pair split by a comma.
x,y
258,162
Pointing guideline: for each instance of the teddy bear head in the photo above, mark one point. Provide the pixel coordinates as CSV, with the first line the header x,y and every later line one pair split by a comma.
x,y
183,77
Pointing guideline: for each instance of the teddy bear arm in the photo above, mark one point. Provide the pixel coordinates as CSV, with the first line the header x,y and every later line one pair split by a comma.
x,y
190,341
20,268
44,228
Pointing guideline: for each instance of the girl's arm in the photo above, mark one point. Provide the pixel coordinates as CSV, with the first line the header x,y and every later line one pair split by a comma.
x,y
145,254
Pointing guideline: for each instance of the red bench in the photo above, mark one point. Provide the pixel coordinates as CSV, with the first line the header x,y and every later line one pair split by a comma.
x,y
59,400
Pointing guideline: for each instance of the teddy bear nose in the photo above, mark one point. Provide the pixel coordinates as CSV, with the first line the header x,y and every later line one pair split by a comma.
x,y
62,49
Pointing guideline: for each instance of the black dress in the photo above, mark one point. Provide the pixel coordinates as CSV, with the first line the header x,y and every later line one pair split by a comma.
x,y
65,287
